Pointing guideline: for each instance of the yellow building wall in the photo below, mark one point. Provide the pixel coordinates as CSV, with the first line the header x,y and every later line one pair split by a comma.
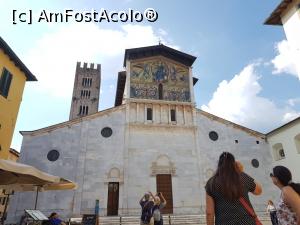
x,y
9,107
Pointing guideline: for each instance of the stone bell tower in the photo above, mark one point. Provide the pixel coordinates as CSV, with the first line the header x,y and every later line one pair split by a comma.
x,y
85,99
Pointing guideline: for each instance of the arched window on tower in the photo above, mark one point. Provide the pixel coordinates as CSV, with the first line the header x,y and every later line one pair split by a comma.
x,y
87,110
80,110
160,91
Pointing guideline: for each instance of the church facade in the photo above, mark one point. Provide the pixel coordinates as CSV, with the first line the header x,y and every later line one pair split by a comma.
x,y
154,139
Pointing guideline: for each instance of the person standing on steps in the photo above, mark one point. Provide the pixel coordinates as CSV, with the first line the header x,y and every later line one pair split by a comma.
x,y
227,200
147,206
159,203
272,211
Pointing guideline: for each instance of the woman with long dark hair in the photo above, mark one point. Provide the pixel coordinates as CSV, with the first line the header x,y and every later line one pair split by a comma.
x,y
288,207
227,200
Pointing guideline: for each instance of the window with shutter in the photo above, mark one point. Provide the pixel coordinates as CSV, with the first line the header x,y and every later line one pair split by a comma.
x,y
5,82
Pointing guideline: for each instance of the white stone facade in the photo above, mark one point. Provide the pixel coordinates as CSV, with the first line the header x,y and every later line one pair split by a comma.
x,y
286,139
134,154
291,23
139,150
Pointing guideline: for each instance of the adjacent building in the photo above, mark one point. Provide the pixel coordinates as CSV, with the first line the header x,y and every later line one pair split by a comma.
x,y
153,139
13,75
285,140
287,14
285,147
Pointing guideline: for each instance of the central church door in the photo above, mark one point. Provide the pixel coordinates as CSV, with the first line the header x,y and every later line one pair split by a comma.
x,y
164,185
113,199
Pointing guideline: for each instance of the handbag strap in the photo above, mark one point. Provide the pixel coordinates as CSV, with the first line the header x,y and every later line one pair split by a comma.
x,y
249,209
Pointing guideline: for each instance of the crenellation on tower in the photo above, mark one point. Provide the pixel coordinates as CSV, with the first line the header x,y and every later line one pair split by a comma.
x,y
85,99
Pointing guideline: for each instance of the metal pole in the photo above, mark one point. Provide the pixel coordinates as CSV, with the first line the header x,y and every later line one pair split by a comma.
x,y
36,197
3,218
4,212
5,208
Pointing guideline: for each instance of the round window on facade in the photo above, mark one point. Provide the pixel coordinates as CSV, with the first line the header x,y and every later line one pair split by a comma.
x,y
213,135
106,132
255,163
53,155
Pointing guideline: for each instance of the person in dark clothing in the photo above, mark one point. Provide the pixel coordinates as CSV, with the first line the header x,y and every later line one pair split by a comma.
x,y
225,192
146,205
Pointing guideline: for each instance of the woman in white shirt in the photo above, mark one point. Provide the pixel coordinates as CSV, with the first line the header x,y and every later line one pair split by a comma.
x,y
272,211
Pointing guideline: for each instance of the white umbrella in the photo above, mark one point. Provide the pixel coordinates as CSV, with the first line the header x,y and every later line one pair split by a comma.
x,y
21,177
12,173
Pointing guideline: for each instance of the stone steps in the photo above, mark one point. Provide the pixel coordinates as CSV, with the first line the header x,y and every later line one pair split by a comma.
x,y
168,220
172,219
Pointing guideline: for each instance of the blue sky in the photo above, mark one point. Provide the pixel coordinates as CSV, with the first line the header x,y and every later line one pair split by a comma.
x,y
244,67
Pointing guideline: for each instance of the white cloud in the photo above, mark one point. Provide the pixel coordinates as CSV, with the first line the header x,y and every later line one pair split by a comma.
x,y
286,60
238,100
290,116
162,32
53,58
293,101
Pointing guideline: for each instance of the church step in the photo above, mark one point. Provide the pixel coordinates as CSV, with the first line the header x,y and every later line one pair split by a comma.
x,y
133,220
168,220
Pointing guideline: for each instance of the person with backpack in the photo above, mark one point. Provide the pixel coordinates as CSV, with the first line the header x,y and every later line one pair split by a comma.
x,y
159,203
146,205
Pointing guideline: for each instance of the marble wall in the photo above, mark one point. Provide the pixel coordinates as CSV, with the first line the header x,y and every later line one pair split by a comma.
x,y
134,154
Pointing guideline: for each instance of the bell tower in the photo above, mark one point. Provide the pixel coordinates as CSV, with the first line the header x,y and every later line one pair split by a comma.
x,y
85,99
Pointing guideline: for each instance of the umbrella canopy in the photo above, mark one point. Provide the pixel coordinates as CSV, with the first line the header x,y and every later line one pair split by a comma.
x,y
63,184
12,173
21,177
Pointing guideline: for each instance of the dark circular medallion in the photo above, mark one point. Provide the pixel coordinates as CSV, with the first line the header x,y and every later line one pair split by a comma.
x,y
213,135
106,132
53,155
255,163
